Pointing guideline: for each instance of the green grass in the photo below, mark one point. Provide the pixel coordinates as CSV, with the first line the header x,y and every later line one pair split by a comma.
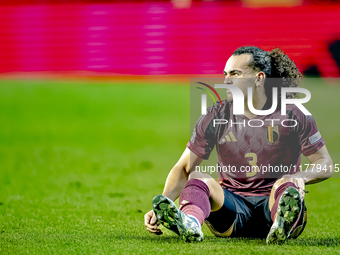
x,y
81,162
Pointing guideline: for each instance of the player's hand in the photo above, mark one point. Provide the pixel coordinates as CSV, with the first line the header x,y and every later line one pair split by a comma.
x,y
151,223
299,182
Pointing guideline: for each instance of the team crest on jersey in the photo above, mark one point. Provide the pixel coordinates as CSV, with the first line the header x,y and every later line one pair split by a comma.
x,y
273,134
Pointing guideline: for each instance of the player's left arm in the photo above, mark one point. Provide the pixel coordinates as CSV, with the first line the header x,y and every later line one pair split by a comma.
x,y
321,168
313,147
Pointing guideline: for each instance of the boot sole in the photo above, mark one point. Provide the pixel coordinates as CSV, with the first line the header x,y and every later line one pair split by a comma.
x,y
288,213
172,218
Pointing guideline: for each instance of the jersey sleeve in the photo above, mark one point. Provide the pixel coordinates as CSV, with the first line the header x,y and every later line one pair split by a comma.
x,y
202,140
308,134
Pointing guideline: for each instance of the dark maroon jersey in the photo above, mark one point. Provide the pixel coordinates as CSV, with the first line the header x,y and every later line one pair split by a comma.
x,y
253,153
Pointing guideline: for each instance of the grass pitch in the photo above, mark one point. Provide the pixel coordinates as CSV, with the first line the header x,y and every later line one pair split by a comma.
x,y
81,162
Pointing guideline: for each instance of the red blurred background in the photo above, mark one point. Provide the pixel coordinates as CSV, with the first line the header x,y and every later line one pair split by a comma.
x,y
157,38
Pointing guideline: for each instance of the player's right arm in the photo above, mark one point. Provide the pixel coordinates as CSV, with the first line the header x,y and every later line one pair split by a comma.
x,y
179,174
201,144
174,185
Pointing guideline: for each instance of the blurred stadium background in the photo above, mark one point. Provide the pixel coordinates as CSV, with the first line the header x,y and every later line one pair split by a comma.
x,y
164,37
88,132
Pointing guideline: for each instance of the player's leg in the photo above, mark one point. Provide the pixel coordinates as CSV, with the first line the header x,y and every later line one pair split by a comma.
x,y
286,209
201,194
232,218
203,181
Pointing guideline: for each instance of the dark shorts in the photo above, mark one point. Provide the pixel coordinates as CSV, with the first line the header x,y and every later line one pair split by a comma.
x,y
250,216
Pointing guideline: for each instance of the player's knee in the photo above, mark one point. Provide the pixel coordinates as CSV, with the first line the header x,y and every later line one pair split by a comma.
x,y
207,179
279,182
201,176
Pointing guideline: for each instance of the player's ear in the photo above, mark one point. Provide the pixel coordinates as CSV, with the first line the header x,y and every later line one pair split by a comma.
x,y
260,77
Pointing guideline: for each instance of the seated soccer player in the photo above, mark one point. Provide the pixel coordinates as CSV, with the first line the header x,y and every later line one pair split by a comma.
x,y
246,204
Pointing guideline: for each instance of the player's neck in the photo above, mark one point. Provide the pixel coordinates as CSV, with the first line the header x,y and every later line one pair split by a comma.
x,y
258,103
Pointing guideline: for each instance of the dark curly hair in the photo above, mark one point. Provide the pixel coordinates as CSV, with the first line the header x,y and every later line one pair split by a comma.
x,y
275,64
